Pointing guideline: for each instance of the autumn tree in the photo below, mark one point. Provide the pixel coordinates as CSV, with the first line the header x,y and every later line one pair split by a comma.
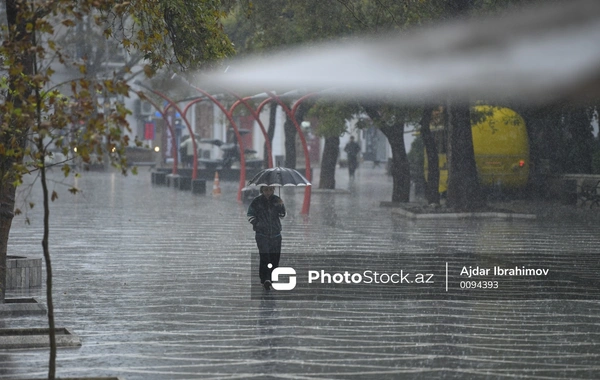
x,y
39,113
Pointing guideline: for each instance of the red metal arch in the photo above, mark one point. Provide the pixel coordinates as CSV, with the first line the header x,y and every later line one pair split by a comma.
x,y
237,135
256,116
187,123
291,115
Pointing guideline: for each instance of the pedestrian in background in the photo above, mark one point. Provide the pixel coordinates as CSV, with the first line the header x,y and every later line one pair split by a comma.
x,y
264,214
352,149
186,149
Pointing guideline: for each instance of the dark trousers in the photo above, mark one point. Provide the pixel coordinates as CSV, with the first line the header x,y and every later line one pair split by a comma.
x,y
352,165
269,249
188,161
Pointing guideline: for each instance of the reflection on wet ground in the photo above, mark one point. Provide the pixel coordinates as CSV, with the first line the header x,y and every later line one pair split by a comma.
x,y
156,282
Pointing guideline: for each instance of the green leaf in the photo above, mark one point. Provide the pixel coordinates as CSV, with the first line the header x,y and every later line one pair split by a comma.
x,y
66,169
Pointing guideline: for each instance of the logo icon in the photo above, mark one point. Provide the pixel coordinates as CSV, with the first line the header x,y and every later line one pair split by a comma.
x,y
280,271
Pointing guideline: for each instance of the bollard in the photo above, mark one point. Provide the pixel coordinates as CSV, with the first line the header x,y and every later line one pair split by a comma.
x,y
173,180
199,186
159,178
23,272
185,183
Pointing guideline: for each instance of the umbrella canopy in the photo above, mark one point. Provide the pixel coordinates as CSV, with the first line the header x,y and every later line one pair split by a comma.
x,y
279,177
215,142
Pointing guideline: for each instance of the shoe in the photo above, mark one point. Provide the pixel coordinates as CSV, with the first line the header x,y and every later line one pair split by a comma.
x,y
267,285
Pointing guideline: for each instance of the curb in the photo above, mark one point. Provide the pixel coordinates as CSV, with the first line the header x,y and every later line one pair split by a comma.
x,y
330,191
15,307
11,339
463,215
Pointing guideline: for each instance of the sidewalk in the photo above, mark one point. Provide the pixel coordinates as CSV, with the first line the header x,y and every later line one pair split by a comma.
x,y
156,283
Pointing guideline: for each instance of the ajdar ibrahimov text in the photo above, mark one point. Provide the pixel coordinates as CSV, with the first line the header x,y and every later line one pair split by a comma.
x,y
499,271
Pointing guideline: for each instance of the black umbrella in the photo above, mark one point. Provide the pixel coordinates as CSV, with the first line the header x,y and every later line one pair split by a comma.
x,y
215,142
279,177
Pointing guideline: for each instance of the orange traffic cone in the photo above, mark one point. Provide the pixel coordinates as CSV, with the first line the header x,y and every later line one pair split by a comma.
x,y
216,185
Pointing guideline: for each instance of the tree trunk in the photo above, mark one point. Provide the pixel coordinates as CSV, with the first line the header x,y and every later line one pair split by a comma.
x,y
289,130
46,250
7,205
20,39
400,167
578,124
331,151
463,185
270,132
464,191
432,182
290,134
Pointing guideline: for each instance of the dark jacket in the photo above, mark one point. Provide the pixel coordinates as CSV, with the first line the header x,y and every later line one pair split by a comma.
x,y
352,149
264,215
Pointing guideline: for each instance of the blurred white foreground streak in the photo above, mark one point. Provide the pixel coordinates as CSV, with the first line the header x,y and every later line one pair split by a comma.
x,y
537,55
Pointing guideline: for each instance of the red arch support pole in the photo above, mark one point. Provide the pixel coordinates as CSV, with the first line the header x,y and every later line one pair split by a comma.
x,y
168,123
238,137
263,104
185,111
291,115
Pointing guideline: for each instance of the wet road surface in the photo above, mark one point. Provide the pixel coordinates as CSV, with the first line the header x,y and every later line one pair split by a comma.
x,y
157,284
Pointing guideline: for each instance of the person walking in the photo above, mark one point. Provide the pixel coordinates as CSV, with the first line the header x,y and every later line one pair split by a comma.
x,y
352,149
187,151
264,214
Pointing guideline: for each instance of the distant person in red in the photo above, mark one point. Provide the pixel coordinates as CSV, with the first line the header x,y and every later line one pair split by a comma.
x,y
352,149
264,213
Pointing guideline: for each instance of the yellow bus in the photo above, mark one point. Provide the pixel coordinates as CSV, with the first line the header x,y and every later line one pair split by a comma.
x,y
501,148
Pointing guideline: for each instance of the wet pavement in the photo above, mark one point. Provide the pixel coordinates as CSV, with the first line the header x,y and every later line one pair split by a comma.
x,y
157,284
